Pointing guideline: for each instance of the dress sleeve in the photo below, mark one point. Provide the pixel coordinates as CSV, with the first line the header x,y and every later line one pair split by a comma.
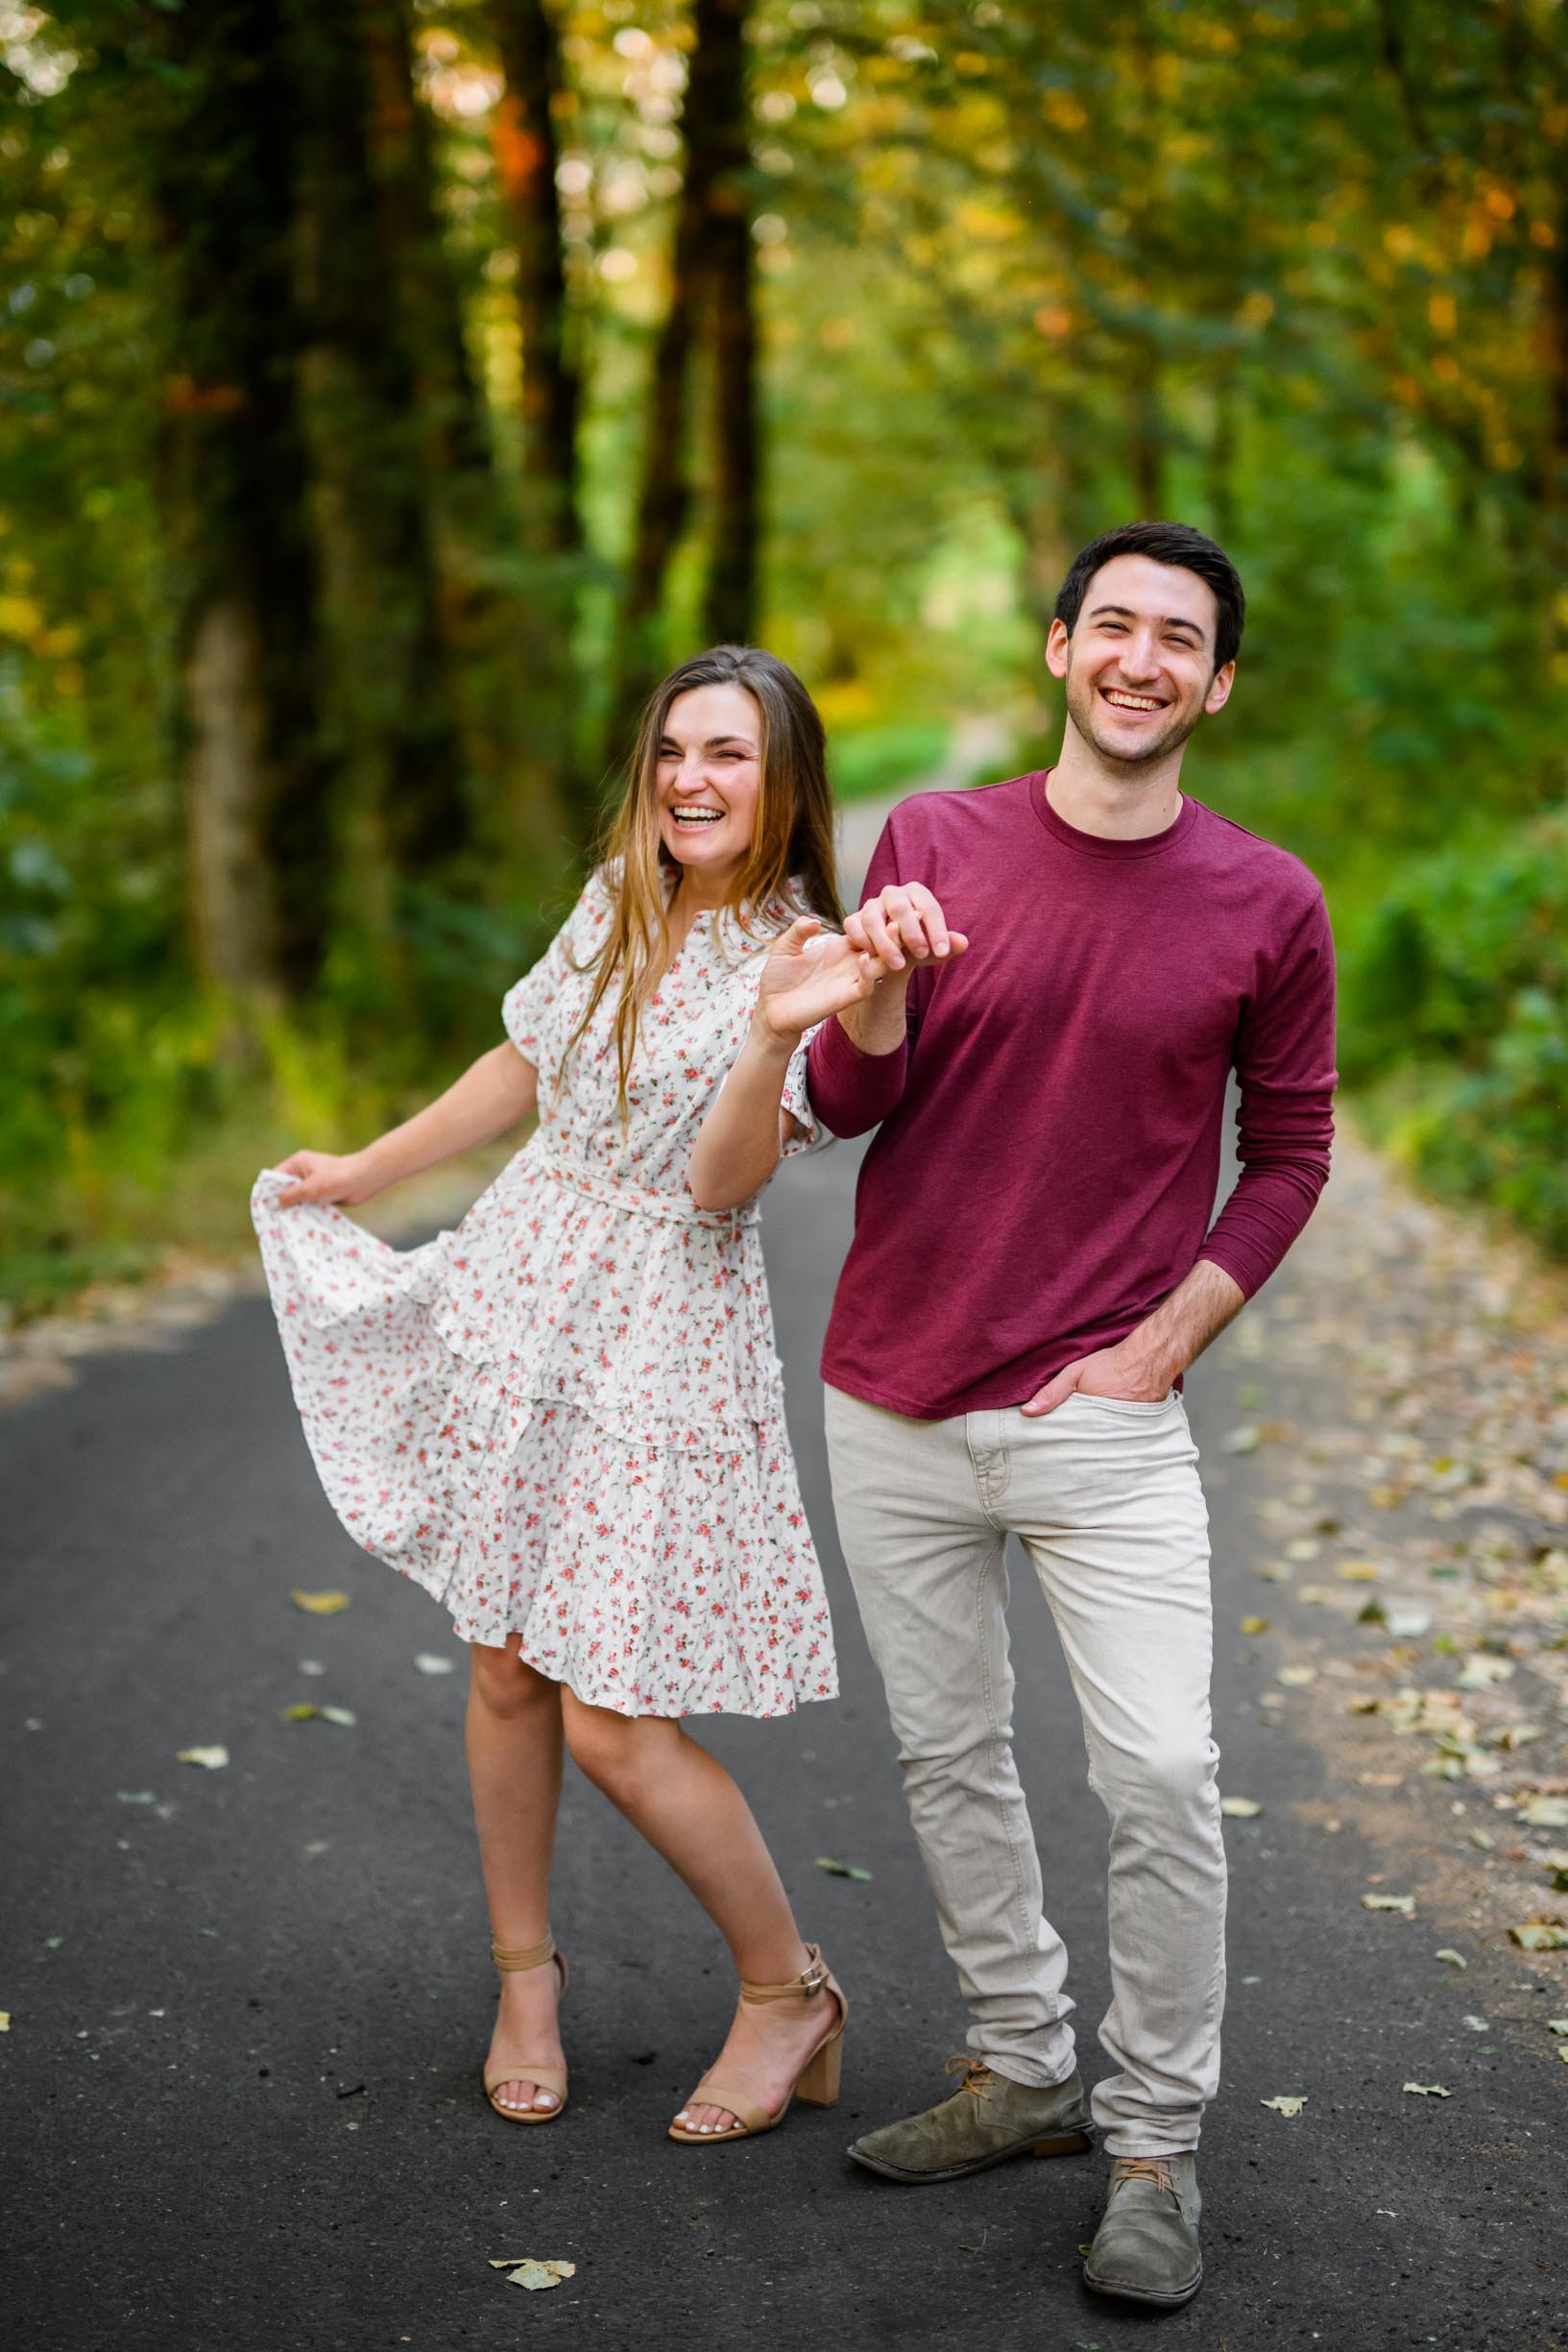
x,y
852,1089
796,1100
526,1005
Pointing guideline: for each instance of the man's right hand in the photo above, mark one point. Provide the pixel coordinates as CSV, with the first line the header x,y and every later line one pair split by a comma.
x,y
902,927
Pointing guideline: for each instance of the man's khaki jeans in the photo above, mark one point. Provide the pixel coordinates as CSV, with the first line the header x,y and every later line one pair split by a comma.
x,y
1105,1498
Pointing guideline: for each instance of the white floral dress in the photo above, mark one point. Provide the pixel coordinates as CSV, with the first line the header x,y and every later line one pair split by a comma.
x,y
565,1418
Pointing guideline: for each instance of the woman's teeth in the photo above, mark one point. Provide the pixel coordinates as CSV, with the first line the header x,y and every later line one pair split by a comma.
x,y
698,817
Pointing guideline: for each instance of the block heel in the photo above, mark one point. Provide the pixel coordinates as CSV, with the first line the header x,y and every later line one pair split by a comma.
x,y
817,2085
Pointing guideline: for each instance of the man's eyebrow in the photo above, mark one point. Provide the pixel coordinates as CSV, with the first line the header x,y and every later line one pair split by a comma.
x,y
1169,621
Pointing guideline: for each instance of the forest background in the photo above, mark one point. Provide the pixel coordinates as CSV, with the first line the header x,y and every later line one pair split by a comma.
x,y
390,389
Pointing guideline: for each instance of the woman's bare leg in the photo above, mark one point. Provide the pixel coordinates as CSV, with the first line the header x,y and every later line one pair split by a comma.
x,y
685,1804
512,1736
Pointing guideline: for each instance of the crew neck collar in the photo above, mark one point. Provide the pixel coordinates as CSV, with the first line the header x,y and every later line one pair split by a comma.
x,y
1106,846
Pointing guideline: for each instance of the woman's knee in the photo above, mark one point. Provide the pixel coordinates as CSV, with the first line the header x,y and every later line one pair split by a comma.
x,y
504,1683
617,1752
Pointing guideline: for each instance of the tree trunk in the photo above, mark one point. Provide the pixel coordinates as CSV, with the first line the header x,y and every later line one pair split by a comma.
x,y
527,157
711,201
429,312
396,697
719,96
1145,432
235,488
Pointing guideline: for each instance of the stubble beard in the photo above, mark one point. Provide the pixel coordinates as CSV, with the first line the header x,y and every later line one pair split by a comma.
x,y
1084,714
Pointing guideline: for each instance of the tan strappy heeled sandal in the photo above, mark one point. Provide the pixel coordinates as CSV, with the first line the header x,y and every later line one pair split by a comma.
x,y
507,1957
817,2085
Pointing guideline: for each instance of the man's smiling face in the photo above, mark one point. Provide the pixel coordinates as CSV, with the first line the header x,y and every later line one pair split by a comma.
x,y
1139,665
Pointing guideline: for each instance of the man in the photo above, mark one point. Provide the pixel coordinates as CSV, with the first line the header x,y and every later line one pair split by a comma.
x,y
1033,1269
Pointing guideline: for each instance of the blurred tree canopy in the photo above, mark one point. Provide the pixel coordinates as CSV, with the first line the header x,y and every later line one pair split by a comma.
x,y
390,389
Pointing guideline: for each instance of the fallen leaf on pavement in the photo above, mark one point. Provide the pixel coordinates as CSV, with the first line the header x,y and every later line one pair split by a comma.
x,y
841,1870
1304,1547
1482,1838
1545,1814
211,1759
1296,1677
1254,1625
1242,1441
137,1796
534,2275
5,2021
318,1604
1556,2025
1480,1671
1477,2025
1407,1624
1358,1571
1405,1905
1540,1936
306,1713
338,1714
1285,2106
430,1662
1428,2089
297,1714
1455,1960
1240,1809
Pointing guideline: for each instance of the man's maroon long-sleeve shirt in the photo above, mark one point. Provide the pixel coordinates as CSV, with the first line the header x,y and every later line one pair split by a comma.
x,y
1050,1140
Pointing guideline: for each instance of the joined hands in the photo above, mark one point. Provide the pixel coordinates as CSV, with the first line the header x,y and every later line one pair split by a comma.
x,y
812,972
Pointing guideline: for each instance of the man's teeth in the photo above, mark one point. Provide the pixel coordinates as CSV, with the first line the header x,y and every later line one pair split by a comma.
x,y
1130,702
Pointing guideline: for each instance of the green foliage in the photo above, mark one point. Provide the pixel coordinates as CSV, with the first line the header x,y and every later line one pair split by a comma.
x,y
869,760
1456,1015
1294,276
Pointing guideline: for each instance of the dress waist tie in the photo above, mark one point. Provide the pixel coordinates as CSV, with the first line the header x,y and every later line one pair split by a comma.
x,y
670,1207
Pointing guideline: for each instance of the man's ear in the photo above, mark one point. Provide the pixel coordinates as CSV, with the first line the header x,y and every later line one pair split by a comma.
x,y
1219,686
1058,645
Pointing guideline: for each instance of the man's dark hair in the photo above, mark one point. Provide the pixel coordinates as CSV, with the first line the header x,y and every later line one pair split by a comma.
x,y
1163,543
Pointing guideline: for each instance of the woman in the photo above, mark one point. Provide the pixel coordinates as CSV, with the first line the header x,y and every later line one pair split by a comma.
x,y
565,1419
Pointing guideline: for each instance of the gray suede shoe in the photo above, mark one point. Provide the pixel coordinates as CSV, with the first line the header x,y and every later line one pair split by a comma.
x,y
1147,2249
987,2120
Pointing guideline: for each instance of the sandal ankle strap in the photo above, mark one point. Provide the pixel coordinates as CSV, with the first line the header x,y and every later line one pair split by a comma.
x,y
812,1979
508,1956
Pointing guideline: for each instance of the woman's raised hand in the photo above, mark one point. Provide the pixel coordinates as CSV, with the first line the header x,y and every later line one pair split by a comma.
x,y
809,975
326,1176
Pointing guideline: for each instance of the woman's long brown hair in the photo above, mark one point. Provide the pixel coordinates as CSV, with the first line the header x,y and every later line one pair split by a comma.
x,y
791,863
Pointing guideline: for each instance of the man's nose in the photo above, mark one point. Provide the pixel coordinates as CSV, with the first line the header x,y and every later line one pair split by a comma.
x,y
1141,657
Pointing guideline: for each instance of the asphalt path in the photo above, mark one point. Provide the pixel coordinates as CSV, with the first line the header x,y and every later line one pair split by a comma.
x,y
250,2004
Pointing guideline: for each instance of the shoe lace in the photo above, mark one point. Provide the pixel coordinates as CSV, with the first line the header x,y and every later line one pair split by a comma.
x,y
1146,2168
977,2075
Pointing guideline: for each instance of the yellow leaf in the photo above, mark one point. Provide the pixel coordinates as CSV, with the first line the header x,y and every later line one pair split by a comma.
x,y
297,1714
1403,1903
317,1604
535,2274
1254,1625
1296,1677
5,2024
1455,1960
1428,2089
1285,2106
1240,1809
1540,1936
1358,1571
211,1759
